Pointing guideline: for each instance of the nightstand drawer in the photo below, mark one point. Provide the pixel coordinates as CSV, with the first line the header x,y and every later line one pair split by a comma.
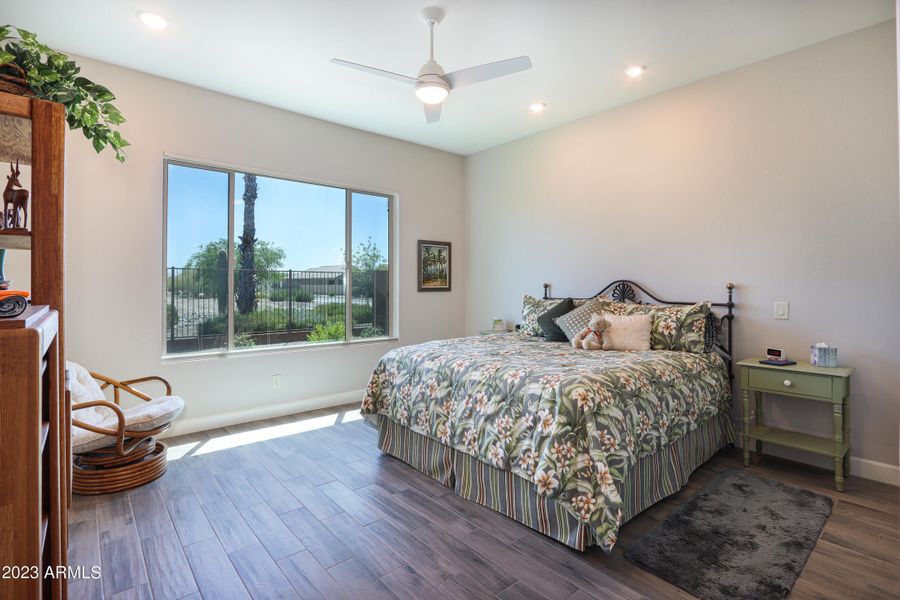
x,y
802,384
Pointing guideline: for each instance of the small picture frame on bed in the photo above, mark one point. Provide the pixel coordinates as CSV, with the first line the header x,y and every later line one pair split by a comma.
x,y
433,266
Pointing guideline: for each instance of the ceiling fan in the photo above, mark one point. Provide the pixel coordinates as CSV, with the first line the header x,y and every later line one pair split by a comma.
x,y
432,84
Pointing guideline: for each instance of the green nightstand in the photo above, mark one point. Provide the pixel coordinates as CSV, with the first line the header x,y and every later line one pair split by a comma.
x,y
802,380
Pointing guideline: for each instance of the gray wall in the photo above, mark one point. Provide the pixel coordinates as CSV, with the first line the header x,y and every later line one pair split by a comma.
x,y
114,251
781,176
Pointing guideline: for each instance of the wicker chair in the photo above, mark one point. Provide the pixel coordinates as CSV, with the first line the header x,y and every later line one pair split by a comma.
x,y
114,448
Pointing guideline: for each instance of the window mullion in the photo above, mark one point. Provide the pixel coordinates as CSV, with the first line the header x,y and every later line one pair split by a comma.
x,y
348,266
231,265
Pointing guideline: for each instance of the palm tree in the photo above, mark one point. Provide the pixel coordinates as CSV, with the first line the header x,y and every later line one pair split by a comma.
x,y
441,261
246,285
428,263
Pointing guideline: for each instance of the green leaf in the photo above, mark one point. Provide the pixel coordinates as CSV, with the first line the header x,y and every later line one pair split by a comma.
x,y
100,93
99,143
112,114
53,76
118,141
26,36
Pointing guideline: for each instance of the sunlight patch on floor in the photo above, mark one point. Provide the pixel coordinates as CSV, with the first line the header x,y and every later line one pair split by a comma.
x,y
243,438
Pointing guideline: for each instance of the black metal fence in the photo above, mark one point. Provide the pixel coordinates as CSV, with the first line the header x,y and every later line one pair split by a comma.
x,y
283,306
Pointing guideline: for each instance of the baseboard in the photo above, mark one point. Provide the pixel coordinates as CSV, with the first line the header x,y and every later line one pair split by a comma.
x,y
185,426
877,471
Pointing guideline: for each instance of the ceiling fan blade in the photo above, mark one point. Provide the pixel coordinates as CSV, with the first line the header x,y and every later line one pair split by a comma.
x,y
432,112
487,71
374,71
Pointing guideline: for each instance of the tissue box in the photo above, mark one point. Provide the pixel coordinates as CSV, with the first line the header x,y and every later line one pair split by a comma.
x,y
823,356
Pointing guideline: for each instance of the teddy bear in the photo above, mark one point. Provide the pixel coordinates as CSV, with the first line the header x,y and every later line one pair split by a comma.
x,y
591,337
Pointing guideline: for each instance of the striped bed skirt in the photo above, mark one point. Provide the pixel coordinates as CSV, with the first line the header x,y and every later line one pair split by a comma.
x,y
651,479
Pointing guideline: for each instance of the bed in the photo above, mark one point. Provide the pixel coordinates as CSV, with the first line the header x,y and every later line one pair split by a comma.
x,y
571,443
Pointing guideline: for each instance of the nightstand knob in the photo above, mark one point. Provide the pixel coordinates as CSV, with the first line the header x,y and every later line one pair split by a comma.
x,y
787,383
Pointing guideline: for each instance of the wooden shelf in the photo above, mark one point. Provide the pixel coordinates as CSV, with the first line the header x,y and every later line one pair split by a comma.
x,y
33,313
800,441
15,240
35,423
16,106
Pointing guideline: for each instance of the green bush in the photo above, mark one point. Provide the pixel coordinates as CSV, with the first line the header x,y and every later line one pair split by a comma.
x,y
283,296
244,340
257,321
370,331
330,311
171,316
362,314
331,331
322,318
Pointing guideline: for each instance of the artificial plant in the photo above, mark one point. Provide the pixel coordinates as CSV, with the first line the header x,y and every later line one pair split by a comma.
x,y
40,71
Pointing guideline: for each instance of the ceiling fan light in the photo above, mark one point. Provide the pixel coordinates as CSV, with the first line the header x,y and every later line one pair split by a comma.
x,y
431,92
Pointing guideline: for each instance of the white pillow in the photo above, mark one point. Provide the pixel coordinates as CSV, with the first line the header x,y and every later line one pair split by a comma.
x,y
627,332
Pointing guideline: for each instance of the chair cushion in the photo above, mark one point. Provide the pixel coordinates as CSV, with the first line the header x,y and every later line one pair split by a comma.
x,y
142,417
84,387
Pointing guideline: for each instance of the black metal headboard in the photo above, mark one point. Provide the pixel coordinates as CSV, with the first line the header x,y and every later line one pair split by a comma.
x,y
623,290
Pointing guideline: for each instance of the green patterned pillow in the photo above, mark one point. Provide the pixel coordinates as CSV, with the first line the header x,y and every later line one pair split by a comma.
x,y
532,308
680,328
579,301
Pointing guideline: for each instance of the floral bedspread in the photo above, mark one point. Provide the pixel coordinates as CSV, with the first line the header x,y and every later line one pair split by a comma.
x,y
571,421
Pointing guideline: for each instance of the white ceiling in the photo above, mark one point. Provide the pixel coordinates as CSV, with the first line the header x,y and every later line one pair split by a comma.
x,y
277,52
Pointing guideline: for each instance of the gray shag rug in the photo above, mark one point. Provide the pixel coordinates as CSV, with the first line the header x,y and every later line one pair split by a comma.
x,y
741,537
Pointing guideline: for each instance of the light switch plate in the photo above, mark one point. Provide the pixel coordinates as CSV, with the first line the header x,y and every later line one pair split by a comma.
x,y
276,382
783,310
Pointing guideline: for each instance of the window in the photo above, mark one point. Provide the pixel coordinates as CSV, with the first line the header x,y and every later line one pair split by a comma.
x,y
258,261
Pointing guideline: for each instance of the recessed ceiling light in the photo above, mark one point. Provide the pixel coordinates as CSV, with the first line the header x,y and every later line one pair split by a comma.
x,y
537,107
153,20
635,71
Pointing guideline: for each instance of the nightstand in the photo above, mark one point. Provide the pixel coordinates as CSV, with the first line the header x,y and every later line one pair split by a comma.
x,y
830,385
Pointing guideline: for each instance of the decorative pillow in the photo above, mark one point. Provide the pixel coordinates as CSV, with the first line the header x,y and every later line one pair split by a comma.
x,y
579,301
626,333
532,308
573,322
551,331
680,328
709,332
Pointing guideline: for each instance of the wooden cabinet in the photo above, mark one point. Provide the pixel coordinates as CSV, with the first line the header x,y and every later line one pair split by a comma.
x,y
33,455
35,425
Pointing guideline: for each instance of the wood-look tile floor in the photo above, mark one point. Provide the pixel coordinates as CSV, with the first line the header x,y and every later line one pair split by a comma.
x,y
307,507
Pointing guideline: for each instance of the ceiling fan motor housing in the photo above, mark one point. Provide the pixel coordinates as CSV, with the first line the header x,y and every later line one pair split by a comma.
x,y
431,77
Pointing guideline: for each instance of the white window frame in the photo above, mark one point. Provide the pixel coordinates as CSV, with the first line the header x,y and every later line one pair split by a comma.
x,y
231,171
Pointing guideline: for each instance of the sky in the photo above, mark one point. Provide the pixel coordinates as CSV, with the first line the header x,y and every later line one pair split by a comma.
x,y
303,219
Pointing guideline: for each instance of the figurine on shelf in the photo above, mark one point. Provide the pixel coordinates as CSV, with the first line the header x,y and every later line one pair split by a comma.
x,y
15,201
